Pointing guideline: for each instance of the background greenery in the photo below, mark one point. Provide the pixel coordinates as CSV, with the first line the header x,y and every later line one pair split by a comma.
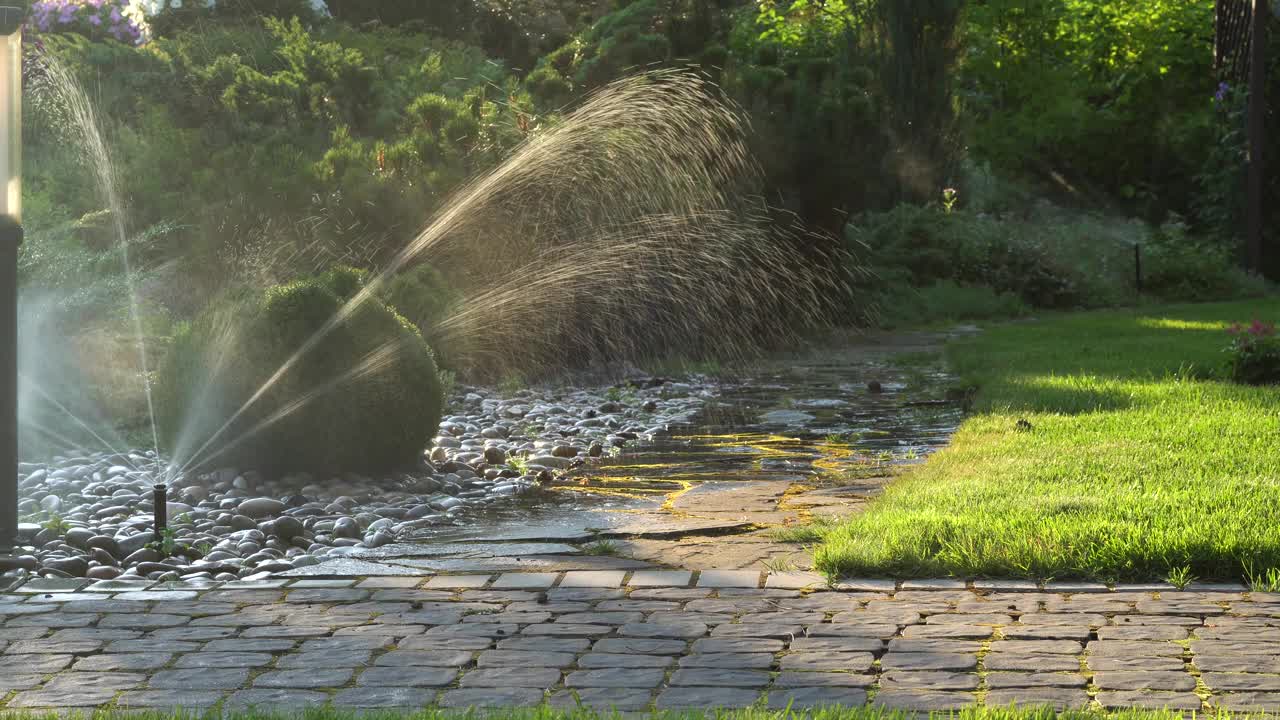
x,y
259,143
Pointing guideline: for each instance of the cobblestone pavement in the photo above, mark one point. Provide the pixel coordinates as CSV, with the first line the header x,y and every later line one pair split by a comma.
x,y
634,641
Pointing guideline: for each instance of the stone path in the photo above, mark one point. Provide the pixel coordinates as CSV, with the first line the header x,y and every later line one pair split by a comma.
x,y
634,640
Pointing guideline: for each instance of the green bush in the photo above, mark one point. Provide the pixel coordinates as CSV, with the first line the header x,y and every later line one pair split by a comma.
x,y
366,397
422,295
946,301
926,245
1177,266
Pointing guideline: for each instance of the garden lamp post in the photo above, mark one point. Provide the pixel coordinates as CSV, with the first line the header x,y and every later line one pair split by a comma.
x,y
12,15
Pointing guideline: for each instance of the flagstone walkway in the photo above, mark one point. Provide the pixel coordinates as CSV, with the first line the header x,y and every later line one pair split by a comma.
x,y
634,640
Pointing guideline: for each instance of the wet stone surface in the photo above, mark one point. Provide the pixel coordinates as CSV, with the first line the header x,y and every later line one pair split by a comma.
x,y
602,641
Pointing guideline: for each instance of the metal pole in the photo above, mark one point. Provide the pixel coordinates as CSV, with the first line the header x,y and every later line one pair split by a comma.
x,y
10,237
1257,113
12,14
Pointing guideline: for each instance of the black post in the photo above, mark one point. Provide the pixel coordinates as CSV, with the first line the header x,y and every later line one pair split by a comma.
x,y
10,238
12,14
1256,126
1137,267
160,513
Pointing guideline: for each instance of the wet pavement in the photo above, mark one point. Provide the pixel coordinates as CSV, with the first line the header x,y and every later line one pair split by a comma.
x,y
808,435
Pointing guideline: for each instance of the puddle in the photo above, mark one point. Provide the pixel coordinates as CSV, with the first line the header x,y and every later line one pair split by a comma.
x,y
838,420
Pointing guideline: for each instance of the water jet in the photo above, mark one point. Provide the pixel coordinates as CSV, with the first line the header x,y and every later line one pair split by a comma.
x,y
11,18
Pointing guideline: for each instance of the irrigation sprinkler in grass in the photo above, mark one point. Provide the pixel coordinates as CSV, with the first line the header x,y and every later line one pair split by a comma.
x,y
11,17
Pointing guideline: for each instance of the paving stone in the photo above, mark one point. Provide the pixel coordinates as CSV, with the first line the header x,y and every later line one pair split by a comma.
x,y
546,644
1144,680
660,578
613,699
1018,661
689,629
317,677
1034,679
157,595
795,580
567,630
529,677
525,581
217,660
852,630
203,679
646,646
1142,632
960,647
713,677
1238,663
150,645
277,700
101,680
1153,664
44,664
612,660
50,585
1240,682
1037,647
743,661
409,676
826,660
592,579
780,632
11,681
61,699
811,698
924,700
1045,632
192,634
347,643
250,645
491,697
952,632
142,621
53,647
170,700
1133,648
1248,702
456,581
834,644
379,697
122,662
706,698
928,661
1058,698
436,644
795,679
616,677
1151,700
523,658
427,658
729,579
601,618
335,658
930,680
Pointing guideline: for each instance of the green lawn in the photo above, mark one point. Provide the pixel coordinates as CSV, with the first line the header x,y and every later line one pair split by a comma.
x,y
1133,468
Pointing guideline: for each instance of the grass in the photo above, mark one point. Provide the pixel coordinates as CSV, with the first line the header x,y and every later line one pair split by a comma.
x,y
548,713
1100,447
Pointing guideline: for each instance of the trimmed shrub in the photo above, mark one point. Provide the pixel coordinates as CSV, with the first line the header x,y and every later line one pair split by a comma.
x,y
365,397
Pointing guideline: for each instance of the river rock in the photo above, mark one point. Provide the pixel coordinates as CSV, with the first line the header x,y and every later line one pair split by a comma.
x,y
260,507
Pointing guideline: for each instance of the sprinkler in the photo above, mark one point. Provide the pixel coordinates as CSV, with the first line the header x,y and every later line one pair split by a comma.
x,y
12,15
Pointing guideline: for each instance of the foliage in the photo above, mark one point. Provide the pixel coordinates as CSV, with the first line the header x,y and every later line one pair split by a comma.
x,y
1254,353
1110,94
1180,266
362,396
1133,468
121,20
422,295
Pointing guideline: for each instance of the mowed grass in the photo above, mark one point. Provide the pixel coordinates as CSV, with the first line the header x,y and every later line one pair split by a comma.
x,y
1135,468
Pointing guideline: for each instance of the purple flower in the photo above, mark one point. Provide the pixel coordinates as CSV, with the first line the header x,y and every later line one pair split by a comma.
x,y
1221,94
